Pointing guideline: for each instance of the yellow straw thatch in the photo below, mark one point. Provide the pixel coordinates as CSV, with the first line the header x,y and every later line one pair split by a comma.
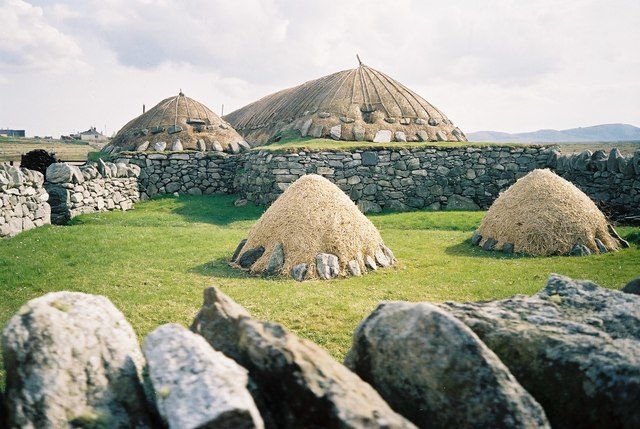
x,y
544,214
311,217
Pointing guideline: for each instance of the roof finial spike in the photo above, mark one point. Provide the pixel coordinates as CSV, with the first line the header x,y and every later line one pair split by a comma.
x,y
181,94
359,60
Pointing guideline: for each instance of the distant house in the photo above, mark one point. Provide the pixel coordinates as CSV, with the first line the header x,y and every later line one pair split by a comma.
x,y
91,135
12,133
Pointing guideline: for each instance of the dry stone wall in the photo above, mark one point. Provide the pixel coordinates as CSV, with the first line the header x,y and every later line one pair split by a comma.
x,y
397,179
90,188
612,180
195,173
429,176
23,200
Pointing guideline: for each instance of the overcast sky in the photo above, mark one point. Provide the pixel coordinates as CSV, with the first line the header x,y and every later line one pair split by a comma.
x,y
507,65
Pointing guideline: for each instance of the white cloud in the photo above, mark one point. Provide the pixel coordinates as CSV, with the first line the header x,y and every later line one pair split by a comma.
x,y
28,42
500,64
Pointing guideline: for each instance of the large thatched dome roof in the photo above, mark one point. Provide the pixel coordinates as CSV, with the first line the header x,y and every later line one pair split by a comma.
x,y
348,105
177,118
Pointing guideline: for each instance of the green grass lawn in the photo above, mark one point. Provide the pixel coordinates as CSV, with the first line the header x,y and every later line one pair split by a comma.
x,y
153,263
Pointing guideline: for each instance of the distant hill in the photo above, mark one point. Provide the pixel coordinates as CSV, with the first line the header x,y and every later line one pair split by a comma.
x,y
596,133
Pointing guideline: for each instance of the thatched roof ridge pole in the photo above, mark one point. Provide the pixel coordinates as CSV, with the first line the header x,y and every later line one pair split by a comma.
x,y
175,118
276,106
155,113
373,72
401,89
186,103
353,86
309,100
415,97
366,69
338,88
366,98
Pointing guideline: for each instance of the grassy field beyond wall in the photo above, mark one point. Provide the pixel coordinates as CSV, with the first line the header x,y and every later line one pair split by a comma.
x,y
12,147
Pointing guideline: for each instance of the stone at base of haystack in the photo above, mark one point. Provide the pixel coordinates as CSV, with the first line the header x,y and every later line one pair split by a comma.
x,y
327,266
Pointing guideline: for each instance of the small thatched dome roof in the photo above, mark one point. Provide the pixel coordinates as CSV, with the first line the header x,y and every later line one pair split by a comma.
x,y
177,118
349,105
313,230
543,214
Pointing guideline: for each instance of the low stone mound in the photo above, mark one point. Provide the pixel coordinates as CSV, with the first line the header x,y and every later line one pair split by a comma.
x,y
543,214
435,371
313,230
216,398
574,346
297,383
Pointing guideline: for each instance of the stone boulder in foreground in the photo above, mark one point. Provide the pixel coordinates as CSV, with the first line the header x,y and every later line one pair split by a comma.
x,y
72,360
435,371
196,386
298,385
574,346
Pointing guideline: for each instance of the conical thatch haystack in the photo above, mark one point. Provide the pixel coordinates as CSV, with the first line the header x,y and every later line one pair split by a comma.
x,y
174,119
358,104
313,230
543,214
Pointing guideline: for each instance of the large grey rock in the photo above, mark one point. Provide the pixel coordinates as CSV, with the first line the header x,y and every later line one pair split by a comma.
x,y
176,146
196,386
400,136
159,146
369,158
217,321
382,136
250,256
299,272
335,132
574,346
434,370
60,172
304,128
635,161
327,266
236,252
458,202
615,157
276,260
143,146
72,360
298,385
632,287
358,133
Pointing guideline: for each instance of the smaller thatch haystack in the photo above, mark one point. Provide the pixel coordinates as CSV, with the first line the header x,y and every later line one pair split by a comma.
x,y
177,123
543,214
313,230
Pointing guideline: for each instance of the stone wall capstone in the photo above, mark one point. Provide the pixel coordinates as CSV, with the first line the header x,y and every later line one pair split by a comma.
x,y
23,200
90,188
